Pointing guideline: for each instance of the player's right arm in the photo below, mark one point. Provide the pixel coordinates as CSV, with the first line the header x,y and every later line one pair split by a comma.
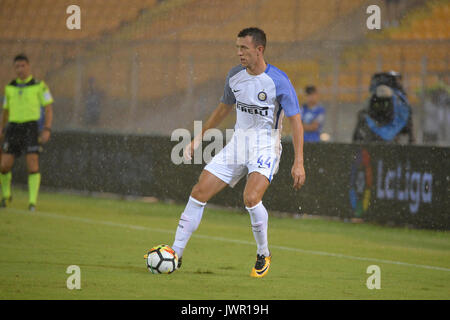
x,y
218,115
227,101
214,120
5,117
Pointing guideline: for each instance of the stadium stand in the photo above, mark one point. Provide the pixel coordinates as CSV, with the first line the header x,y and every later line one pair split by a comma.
x,y
98,17
421,41
160,51
46,40
181,31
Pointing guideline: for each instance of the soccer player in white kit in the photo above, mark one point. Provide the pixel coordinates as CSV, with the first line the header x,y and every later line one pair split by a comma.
x,y
263,95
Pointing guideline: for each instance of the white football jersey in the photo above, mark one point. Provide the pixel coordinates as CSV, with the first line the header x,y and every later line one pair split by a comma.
x,y
261,101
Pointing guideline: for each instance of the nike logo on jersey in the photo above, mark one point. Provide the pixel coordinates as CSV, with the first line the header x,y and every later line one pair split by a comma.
x,y
252,109
236,90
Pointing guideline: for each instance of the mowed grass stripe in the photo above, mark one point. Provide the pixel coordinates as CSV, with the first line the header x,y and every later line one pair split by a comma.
x,y
222,239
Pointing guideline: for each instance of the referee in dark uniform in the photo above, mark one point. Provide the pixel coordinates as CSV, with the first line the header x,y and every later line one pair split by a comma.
x,y
22,103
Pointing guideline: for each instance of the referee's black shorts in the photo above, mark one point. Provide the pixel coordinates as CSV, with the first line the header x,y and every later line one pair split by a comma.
x,y
21,138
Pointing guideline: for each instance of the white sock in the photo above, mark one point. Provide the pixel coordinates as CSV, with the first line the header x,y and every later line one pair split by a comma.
x,y
259,218
189,222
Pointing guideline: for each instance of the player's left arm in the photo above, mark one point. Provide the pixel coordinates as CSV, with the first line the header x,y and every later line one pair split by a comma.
x,y
5,116
47,102
46,131
298,170
287,97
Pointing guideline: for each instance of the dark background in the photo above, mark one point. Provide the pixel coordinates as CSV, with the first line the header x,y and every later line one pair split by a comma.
x,y
141,166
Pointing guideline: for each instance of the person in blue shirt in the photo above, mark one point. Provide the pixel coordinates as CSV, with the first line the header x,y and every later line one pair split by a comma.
x,y
313,115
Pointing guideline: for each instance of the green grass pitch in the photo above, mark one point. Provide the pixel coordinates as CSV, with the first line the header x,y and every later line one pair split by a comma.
x,y
107,239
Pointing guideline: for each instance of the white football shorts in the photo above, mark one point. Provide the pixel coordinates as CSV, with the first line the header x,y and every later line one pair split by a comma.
x,y
244,155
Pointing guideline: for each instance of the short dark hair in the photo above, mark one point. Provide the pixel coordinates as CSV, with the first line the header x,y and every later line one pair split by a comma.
x,y
258,35
21,57
310,89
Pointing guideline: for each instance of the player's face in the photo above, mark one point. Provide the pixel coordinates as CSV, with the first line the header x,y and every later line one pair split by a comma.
x,y
22,69
247,51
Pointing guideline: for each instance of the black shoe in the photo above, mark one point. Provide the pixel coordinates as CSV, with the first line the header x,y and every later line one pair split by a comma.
x,y
261,267
32,207
179,263
5,202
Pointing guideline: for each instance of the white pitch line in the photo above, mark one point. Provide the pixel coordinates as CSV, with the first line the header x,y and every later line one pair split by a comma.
x,y
134,227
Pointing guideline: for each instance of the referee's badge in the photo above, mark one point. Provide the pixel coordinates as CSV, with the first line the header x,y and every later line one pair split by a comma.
x,y
262,96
